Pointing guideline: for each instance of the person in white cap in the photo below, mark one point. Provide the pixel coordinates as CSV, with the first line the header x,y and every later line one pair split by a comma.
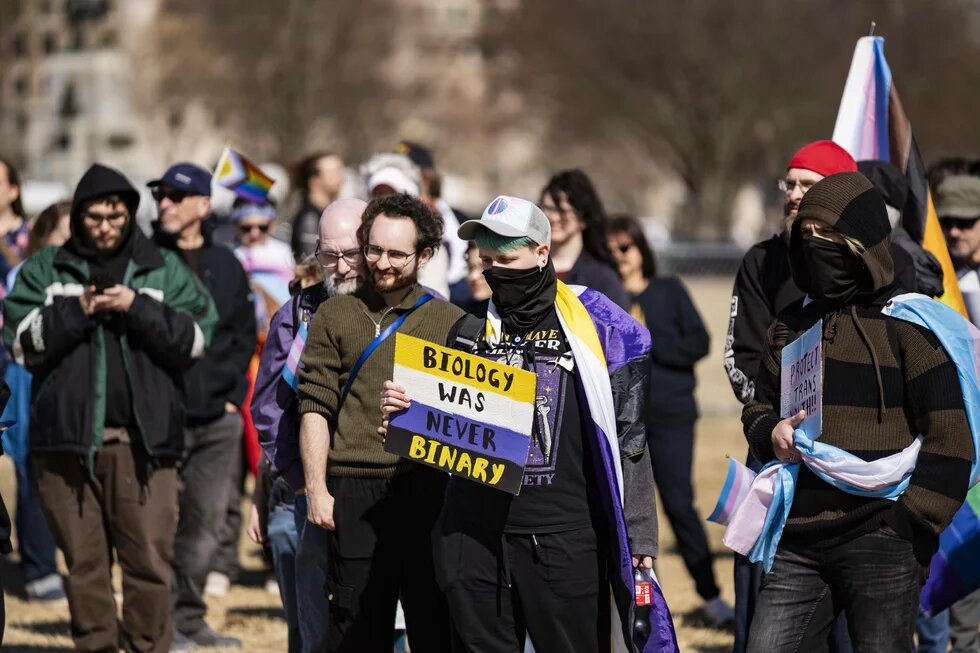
x,y
541,564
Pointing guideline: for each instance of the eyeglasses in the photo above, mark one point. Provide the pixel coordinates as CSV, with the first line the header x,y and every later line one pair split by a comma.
x,y
962,224
247,228
557,210
116,219
396,259
329,259
789,185
173,194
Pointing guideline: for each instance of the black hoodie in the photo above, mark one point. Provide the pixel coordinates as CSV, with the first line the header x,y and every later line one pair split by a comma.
x,y
108,267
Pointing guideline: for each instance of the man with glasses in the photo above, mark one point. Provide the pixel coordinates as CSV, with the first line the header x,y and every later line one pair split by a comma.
x,y
275,413
108,324
764,288
379,509
215,389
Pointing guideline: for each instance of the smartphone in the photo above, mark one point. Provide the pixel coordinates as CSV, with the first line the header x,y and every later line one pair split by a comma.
x,y
101,282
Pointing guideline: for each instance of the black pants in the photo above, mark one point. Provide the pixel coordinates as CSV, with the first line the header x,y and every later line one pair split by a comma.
x,y
380,551
552,587
672,450
874,579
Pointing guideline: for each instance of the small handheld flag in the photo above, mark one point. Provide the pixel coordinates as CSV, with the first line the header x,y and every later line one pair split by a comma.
x,y
241,176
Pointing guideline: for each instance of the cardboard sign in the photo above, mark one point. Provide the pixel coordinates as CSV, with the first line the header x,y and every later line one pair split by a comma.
x,y
801,380
469,416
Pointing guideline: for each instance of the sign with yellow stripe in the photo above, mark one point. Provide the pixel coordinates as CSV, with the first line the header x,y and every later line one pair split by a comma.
x,y
469,416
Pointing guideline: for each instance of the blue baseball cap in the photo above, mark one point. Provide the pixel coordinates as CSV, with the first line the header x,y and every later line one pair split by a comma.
x,y
187,177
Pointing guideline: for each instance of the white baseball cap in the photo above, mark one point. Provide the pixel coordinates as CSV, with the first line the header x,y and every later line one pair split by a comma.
x,y
512,217
394,178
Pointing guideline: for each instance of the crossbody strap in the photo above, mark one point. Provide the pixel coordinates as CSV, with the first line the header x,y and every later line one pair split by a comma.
x,y
381,337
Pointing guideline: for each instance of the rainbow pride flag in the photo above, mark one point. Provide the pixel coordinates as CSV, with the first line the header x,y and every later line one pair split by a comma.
x,y
871,124
241,176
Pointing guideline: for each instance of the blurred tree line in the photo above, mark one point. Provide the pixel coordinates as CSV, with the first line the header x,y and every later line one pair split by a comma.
x,y
715,95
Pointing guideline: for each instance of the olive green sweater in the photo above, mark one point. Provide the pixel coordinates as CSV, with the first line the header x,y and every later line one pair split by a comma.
x,y
343,327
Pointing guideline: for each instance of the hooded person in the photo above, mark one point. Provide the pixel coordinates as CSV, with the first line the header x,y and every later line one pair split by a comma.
x,y
541,564
886,384
764,288
107,324
915,269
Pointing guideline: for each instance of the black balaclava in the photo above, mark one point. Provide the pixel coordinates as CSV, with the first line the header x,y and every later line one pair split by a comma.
x,y
522,297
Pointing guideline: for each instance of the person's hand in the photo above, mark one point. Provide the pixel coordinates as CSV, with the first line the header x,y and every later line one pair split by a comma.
x,y
642,562
393,399
319,508
782,438
87,300
230,407
255,526
117,299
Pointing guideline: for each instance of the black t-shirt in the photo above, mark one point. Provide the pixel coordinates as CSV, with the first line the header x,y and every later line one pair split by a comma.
x,y
558,478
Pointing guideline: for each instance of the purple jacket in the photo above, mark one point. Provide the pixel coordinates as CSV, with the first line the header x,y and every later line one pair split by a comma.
x,y
274,408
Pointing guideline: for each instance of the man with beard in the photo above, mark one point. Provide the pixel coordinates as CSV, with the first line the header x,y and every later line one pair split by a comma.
x,y
379,509
215,390
108,324
764,288
275,412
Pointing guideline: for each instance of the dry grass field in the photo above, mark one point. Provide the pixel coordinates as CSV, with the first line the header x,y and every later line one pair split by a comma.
x,y
250,613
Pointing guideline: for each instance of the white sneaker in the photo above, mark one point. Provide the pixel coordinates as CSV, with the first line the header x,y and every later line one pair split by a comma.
x,y
719,613
217,584
271,585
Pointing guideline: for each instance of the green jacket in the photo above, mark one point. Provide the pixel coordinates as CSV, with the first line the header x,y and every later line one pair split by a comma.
x,y
168,326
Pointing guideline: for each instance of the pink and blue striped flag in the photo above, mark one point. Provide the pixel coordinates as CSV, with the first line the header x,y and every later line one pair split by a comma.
x,y
290,371
737,486
872,124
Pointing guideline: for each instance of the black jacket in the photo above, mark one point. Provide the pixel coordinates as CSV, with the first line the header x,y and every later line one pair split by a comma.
x,y
763,288
592,273
679,341
220,376
167,327
306,230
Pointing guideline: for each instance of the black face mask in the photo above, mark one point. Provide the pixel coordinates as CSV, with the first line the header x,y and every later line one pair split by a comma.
x,y
522,297
833,272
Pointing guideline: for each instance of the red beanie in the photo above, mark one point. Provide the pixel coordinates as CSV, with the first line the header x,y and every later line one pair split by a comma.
x,y
824,158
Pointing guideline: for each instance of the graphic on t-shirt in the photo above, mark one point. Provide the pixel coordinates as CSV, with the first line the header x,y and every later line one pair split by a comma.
x,y
553,364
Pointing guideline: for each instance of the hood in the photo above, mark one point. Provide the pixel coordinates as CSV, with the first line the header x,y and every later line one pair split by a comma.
x,y
848,202
100,181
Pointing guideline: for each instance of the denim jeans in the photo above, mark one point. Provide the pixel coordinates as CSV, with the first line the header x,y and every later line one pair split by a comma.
x,y
874,579
282,541
311,579
211,453
964,617
35,543
933,633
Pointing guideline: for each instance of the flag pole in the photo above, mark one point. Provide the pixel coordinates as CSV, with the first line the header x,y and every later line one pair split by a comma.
x,y
871,32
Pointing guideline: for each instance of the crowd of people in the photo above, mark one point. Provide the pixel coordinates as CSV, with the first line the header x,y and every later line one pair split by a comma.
x,y
148,374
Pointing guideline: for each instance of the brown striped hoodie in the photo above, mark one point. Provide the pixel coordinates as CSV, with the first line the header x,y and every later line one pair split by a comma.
x,y
885,382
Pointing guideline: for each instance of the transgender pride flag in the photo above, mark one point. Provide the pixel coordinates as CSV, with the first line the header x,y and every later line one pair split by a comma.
x,y
738,482
871,124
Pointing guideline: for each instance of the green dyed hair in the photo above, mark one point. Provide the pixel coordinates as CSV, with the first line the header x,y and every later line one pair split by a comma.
x,y
486,239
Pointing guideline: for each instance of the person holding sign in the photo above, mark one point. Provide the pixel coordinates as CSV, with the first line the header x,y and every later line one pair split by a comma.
x,y
379,508
886,387
541,563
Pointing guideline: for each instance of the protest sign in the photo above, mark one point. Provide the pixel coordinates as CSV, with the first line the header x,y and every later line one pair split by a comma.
x,y
801,380
469,416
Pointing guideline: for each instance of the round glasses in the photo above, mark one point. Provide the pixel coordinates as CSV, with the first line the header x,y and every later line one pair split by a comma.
x,y
396,258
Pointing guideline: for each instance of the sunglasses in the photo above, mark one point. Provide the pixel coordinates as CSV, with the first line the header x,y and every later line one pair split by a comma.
x,y
963,224
247,228
173,194
624,247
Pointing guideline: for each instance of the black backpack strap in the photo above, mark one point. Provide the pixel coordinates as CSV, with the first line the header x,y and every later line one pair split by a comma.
x,y
466,333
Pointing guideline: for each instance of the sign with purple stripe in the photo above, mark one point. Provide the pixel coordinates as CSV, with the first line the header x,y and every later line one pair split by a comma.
x,y
469,416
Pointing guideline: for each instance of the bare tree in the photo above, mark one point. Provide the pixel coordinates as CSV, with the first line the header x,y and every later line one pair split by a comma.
x,y
720,94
